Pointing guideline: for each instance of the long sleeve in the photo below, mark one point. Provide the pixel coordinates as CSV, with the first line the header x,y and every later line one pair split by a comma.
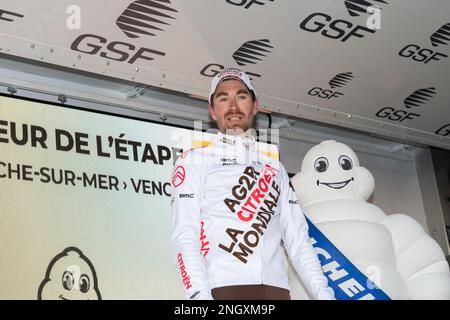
x,y
185,228
298,244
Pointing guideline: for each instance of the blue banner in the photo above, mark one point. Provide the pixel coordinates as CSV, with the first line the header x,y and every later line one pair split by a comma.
x,y
343,277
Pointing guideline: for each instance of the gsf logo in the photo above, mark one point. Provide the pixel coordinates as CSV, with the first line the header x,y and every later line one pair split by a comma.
x,y
419,54
213,69
139,18
333,29
417,99
115,50
426,55
247,3
338,81
324,93
394,114
444,130
340,29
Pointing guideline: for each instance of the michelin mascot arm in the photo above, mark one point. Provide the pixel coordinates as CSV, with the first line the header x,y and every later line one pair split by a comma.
x,y
420,260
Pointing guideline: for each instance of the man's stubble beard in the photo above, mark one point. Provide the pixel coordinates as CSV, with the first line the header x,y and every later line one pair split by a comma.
x,y
238,130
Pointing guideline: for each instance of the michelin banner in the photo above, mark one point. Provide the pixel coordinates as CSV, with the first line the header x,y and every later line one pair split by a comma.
x,y
85,203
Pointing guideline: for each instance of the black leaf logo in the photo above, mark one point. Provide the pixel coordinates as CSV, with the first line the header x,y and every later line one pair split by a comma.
x,y
420,97
145,17
252,52
355,7
442,36
341,80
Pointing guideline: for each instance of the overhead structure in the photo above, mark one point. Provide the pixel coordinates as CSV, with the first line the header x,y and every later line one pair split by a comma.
x,y
380,67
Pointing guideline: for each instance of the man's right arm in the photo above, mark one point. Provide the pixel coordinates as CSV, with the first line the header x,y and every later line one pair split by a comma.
x,y
298,243
185,227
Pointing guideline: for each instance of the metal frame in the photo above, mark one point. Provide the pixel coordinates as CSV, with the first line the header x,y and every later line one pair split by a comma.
x,y
432,200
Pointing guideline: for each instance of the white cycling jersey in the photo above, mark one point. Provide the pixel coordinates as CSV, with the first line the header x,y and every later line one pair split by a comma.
x,y
232,211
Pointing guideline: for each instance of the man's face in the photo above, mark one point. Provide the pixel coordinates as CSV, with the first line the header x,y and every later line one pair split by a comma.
x,y
233,107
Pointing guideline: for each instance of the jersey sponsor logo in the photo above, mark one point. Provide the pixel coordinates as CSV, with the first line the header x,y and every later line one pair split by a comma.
x,y
252,188
243,242
228,161
254,198
184,275
228,140
194,295
186,195
203,240
178,176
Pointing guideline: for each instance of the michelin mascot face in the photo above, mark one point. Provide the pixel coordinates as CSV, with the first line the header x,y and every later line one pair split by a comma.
x,y
70,276
392,250
331,171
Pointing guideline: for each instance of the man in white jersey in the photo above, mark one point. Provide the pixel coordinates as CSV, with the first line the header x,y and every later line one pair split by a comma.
x,y
233,210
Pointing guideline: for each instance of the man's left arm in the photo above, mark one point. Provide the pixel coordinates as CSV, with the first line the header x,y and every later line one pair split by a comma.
x,y
298,244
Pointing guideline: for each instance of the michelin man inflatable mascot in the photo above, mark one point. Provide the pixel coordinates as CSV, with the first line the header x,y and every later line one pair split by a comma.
x,y
393,251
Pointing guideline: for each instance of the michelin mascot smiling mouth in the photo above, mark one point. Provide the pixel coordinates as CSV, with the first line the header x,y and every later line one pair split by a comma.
x,y
392,252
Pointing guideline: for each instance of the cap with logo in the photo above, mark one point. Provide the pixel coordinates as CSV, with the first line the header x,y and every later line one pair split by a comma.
x,y
230,73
